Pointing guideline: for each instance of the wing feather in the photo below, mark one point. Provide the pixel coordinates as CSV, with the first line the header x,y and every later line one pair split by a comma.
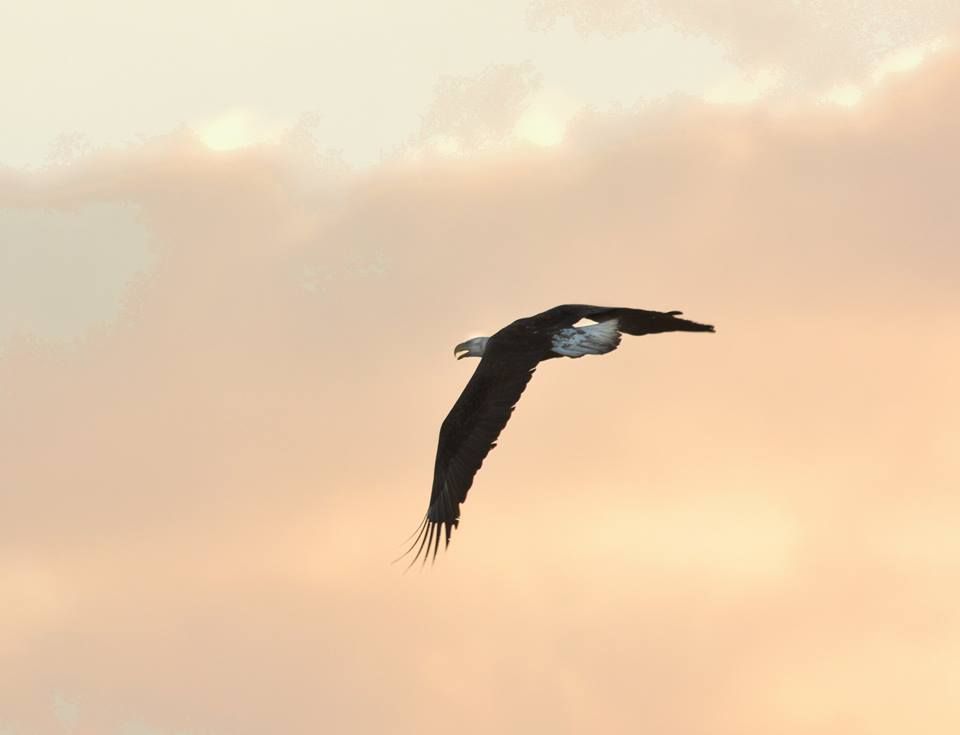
x,y
637,321
467,435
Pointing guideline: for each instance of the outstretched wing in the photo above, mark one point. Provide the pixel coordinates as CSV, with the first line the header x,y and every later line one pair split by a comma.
x,y
467,435
629,321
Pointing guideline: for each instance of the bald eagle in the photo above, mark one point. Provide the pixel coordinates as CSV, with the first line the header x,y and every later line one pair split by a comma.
x,y
507,362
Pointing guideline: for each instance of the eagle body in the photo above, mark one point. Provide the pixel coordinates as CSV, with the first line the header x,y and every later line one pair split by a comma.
x,y
508,359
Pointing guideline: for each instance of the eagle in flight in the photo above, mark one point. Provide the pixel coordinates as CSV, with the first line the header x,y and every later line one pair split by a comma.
x,y
507,362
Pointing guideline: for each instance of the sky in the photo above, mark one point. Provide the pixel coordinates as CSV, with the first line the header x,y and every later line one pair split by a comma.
x,y
237,246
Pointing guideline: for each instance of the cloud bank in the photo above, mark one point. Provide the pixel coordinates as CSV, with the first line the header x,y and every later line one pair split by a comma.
x,y
815,45
746,532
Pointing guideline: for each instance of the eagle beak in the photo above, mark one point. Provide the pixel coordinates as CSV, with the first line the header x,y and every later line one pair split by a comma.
x,y
462,347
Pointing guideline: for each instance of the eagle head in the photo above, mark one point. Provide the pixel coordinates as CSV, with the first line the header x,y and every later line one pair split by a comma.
x,y
471,348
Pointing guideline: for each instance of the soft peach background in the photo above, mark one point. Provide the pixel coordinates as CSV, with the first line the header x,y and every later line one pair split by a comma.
x,y
748,532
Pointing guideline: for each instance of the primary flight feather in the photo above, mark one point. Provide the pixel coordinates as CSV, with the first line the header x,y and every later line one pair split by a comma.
x,y
507,362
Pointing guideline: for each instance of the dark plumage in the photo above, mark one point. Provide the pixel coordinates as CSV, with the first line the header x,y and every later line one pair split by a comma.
x,y
508,360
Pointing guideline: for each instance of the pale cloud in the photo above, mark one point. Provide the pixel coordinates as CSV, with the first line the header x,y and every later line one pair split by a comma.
x,y
237,128
373,68
67,712
902,60
814,45
471,112
64,272
114,74
743,89
492,111
740,532
546,118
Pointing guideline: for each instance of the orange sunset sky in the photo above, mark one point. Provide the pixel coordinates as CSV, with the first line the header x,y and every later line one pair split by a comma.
x,y
238,243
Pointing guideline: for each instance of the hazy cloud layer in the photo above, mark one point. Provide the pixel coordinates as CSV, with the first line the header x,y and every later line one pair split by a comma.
x,y
471,111
63,272
814,44
706,534
113,72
